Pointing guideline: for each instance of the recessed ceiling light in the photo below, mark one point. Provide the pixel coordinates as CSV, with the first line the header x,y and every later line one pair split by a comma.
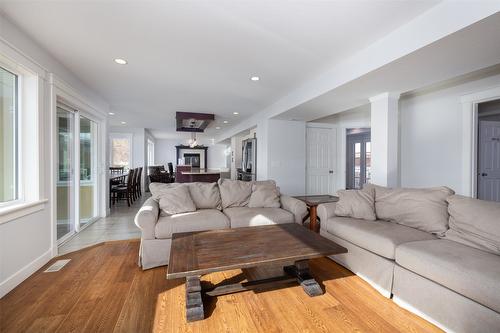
x,y
255,78
124,122
225,121
236,113
217,127
111,113
121,61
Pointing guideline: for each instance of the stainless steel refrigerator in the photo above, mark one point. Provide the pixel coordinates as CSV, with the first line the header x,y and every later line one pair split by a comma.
x,y
248,160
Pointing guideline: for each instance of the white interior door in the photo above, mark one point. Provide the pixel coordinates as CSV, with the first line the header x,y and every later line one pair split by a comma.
x,y
321,160
489,161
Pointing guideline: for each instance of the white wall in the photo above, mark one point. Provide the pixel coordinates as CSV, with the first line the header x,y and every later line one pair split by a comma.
x,y
26,243
286,155
431,133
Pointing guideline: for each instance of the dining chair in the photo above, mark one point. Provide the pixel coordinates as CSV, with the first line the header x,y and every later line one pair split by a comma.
x,y
125,192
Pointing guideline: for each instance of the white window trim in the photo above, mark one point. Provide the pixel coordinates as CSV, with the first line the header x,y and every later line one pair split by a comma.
x,y
118,135
15,211
29,145
61,92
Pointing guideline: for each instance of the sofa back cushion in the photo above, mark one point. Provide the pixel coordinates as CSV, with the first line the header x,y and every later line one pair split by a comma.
x,y
176,200
475,223
358,204
234,193
264,195
205,195
425,209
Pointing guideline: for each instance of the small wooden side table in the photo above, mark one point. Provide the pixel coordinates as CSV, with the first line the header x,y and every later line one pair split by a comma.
x,y
312,202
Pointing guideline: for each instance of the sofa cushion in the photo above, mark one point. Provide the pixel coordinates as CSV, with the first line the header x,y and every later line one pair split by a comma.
x,y
157,189
425,209
249,217
475,223
202,219
379,237
234,193
264,195
205,195
463,269
359,204
176,200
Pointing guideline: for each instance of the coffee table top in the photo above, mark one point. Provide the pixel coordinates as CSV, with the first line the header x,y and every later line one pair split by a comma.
x,y
203,252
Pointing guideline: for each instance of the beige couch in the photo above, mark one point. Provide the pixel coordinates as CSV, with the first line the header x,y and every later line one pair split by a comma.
x,y
216,208
450,277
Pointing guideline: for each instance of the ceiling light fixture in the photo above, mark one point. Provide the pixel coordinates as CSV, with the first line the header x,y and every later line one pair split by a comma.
x,y
121,61
111,113
124,122
217,128
255,78
236,113
225,121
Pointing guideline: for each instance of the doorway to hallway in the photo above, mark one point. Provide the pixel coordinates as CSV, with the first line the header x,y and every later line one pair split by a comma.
x,y
358,157
488,151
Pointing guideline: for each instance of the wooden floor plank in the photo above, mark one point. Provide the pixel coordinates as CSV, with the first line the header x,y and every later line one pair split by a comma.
x,y
103,290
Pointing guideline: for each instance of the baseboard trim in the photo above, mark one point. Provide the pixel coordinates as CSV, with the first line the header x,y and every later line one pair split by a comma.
x,y
419,313
15,279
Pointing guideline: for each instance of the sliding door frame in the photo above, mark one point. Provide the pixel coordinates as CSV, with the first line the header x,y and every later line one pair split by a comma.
x,y
62,93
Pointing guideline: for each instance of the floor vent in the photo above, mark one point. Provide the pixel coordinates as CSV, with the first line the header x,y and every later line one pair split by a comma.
x,y
57,266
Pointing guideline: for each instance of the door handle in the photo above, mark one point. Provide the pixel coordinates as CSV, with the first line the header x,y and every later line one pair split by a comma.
x,y
330,171
484,174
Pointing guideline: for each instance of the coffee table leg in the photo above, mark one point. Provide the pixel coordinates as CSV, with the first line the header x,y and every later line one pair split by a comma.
x,y
194,303
313,219
301,271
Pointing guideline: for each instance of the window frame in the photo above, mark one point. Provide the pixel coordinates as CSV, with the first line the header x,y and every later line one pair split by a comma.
x,y
150,144
19,193
29,144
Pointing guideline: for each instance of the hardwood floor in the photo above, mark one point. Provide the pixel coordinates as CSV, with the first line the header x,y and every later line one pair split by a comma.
x,y
102,290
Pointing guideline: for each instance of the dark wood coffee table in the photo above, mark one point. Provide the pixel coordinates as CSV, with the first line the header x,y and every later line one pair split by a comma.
x,y
194,254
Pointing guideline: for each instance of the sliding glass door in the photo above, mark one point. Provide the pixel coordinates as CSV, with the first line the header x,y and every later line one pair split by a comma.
x,y
77,176
88,171
65,173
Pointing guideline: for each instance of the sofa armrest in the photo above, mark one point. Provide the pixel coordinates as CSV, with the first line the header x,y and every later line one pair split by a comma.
x,y
326,210
147,217
295,206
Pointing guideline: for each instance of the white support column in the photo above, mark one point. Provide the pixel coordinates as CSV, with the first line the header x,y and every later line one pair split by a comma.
x,y
385,139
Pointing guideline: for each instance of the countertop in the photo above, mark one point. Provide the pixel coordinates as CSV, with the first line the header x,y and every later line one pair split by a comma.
x,y
201,172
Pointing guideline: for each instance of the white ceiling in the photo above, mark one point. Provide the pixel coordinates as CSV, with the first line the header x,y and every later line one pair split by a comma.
x,y
197,56
429,67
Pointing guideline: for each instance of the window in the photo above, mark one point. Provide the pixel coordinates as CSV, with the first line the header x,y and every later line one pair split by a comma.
x,y
121,151
151,153
9,185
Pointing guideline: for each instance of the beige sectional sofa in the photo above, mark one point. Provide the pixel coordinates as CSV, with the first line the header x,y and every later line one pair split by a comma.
x,y
450,276
227,204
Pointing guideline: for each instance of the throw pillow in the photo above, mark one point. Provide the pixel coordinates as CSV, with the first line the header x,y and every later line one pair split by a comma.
x,y
425,209
264,196
157,189
358,204
176,200
475,223
205,195
234,193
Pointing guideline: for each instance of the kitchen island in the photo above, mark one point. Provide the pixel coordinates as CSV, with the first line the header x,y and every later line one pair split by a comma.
x,y
187,174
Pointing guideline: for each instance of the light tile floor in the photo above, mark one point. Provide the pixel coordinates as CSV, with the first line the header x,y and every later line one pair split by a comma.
x,y
118,225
